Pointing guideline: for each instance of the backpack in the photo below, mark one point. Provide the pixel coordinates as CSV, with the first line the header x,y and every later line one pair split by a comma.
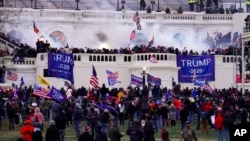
x,y
203,115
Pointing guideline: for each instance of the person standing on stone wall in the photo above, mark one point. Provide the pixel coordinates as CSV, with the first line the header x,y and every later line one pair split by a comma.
x,y
248,5
1,1
142,5
191,4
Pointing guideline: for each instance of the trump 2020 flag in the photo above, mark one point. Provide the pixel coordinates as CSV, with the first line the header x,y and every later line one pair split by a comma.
x,y
112,78
153,80
56,95
136,80
199,82
61,65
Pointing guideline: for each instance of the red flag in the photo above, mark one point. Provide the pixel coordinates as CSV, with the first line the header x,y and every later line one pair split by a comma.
x,y
36,30
132,35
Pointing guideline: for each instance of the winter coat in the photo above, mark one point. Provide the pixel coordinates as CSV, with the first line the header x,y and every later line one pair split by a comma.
x,y
52,134
85,137
26,132
114,134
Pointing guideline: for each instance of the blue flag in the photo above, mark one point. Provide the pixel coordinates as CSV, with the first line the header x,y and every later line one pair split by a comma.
x,y
136,80
199,82
56,95
16,92
153,80
112,78
61,65
22,82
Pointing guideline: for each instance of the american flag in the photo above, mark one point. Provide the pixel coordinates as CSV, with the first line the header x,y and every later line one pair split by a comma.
x,y
94,79
12,76
41,92
153,59
208,88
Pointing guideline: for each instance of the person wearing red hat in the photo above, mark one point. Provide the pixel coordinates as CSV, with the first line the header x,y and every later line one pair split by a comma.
x,y
86,136
27,131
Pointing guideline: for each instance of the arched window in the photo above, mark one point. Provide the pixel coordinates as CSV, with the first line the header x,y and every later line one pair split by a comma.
x,y
142,58
114,58
79,58
41,57
74,57
138,58
106,58
165,57
146,57
102,58
98,58
224,59
161,57
90,57
94,58
129,58
125,59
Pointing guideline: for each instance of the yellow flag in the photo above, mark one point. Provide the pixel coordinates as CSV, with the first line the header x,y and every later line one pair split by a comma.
x,y
41,80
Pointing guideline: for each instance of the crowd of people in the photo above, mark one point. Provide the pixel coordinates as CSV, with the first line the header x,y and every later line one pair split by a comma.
x,y
147,110
25,50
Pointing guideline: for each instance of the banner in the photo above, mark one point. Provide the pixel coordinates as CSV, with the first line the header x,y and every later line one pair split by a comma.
x,y
202,66
56,95
136,80
61,66
153,80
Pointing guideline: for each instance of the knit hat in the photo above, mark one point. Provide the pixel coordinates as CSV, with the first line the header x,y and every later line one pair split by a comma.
x,y
86,129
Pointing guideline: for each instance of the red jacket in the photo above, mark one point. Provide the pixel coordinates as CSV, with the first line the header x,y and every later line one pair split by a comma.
x,y
26,131
219,121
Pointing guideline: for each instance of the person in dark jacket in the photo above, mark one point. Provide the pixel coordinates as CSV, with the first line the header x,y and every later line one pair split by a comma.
x,y
37,133
60,122
114,133
77,118
11,117
52,133
183,117
148,130
228,121
86,136
135,132
104,120
100,135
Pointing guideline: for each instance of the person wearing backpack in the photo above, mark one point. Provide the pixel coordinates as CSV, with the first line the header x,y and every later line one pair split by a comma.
x,y
204,121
